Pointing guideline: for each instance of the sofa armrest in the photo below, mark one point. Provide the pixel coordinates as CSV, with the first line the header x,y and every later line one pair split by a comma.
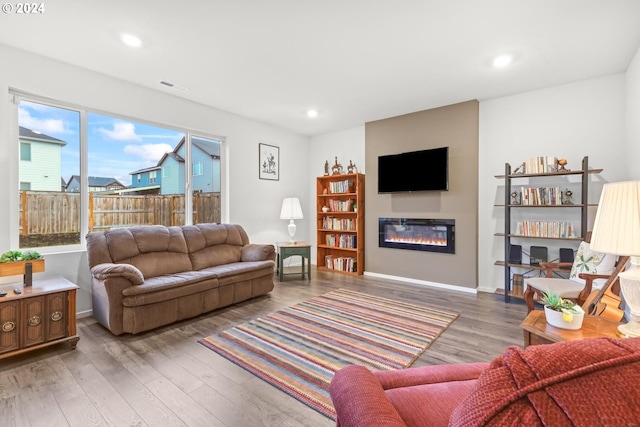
x,y
359,399
258,252
127,271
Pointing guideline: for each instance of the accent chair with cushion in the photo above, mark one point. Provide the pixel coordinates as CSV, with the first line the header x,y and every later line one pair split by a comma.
x,y
590,270
591,382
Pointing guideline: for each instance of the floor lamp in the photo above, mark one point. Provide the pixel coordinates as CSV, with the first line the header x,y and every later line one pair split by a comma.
x,y
291,210
617,231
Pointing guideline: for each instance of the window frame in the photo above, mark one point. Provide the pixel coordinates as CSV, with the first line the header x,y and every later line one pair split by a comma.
x,y
17,96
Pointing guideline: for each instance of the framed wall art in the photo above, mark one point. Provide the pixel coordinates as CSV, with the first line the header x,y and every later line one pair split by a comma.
x,y
269,162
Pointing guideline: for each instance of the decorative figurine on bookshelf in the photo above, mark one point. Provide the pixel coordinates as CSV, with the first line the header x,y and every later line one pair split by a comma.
x,y
516,198
566,197
352,168
326,168
562,163
336,169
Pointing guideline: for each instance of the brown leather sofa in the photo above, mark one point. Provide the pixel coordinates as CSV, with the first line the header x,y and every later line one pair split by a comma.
x,y
144,277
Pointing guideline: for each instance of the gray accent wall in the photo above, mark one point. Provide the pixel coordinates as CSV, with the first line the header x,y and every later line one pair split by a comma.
x,y
454,126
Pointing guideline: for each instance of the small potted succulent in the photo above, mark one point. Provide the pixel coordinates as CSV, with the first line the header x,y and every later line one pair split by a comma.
x,y
562,313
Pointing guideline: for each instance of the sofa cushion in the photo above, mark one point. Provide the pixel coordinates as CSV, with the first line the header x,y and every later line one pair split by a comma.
x,y
153,249
566,383
214,244
436,401
240,271
167,287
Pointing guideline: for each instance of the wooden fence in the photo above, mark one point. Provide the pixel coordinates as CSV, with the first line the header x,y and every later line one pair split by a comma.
x,y
46,212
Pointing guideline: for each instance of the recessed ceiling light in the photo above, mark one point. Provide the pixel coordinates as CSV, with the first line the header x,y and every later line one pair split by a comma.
x,y
502,61
312,113
131,40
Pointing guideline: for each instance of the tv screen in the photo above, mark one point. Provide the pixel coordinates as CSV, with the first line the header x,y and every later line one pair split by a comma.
x,y
424,170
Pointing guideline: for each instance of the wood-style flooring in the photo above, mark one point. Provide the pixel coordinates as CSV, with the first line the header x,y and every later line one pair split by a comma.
x,y
165,378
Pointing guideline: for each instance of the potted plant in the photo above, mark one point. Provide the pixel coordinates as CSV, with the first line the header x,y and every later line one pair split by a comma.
x,y
562,313
13,263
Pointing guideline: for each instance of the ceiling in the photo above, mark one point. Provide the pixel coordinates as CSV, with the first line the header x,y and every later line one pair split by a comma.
x,y
353,60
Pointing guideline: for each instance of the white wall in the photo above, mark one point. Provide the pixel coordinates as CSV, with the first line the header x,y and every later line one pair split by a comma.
x,y
632,128
252,202
585,118
346,145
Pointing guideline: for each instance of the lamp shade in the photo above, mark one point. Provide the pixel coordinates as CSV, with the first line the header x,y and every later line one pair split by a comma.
x,y
291,209
617,225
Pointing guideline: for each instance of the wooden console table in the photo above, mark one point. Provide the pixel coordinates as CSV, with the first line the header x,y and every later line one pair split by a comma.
x,y
41,315
285,250
537,331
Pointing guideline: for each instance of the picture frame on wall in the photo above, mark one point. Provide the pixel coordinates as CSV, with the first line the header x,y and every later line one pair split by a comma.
x,y
268,162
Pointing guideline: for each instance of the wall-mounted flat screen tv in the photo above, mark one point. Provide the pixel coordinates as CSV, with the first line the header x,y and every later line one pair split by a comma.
x,y
424,170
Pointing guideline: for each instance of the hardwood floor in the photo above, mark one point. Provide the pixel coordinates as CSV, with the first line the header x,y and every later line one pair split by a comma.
x,y
165,378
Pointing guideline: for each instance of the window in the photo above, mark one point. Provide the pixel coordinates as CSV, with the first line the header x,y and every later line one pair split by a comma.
x,y
49,140
197,168
117,152
25,152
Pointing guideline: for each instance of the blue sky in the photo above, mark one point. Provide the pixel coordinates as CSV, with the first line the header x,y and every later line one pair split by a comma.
x,y
116,146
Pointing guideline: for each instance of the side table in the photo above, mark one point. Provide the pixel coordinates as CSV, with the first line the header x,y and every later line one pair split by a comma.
x,y
41,315
287,249
537,331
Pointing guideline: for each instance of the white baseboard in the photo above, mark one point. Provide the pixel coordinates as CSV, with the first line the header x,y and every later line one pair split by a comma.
x,y
487,290
81,314
422,282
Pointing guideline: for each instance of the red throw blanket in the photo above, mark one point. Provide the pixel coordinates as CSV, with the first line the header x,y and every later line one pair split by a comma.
x,y
594,382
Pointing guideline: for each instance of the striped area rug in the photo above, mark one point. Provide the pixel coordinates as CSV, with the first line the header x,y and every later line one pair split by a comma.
x,y
298,349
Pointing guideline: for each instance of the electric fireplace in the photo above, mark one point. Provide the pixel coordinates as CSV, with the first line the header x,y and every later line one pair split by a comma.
x,y
416,234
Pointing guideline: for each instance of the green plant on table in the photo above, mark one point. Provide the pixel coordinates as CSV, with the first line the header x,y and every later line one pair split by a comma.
x,y
567,307
13,256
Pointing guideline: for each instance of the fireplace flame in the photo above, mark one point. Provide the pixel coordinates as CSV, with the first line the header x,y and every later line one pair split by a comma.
x,y
417,240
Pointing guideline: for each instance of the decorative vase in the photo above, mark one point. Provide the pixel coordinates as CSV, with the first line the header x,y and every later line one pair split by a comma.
x,y
325,209
556,318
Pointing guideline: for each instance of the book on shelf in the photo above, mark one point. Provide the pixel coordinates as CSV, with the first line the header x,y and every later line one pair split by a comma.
x,y
554,229
540,164
341,205
341,263
345,186
332,223
341,240
541,196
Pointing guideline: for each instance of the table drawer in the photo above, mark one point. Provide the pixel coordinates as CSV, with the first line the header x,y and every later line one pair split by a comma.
x,y
286,252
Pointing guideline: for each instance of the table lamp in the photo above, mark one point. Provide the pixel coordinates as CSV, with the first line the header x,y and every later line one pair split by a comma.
x,y
617,231
291,210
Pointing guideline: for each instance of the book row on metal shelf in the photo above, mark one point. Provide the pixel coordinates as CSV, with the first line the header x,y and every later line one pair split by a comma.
x,y
542,196
345,186
340,263
555,229
331,223
342,240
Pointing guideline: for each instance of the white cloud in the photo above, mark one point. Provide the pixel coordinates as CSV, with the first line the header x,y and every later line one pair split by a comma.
x,y
46,126
122,131
149,152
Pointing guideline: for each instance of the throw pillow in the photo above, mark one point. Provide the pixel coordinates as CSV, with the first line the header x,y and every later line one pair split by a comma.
x,y
589,261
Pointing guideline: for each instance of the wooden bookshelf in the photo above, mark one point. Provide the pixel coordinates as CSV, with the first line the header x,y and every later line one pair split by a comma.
x,y
340,223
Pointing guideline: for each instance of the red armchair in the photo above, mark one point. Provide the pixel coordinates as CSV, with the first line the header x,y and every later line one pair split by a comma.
x,y
580,383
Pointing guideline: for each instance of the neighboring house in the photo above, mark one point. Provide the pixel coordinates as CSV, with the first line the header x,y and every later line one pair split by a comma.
x,y
205,154
96,183
40,168
147,180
